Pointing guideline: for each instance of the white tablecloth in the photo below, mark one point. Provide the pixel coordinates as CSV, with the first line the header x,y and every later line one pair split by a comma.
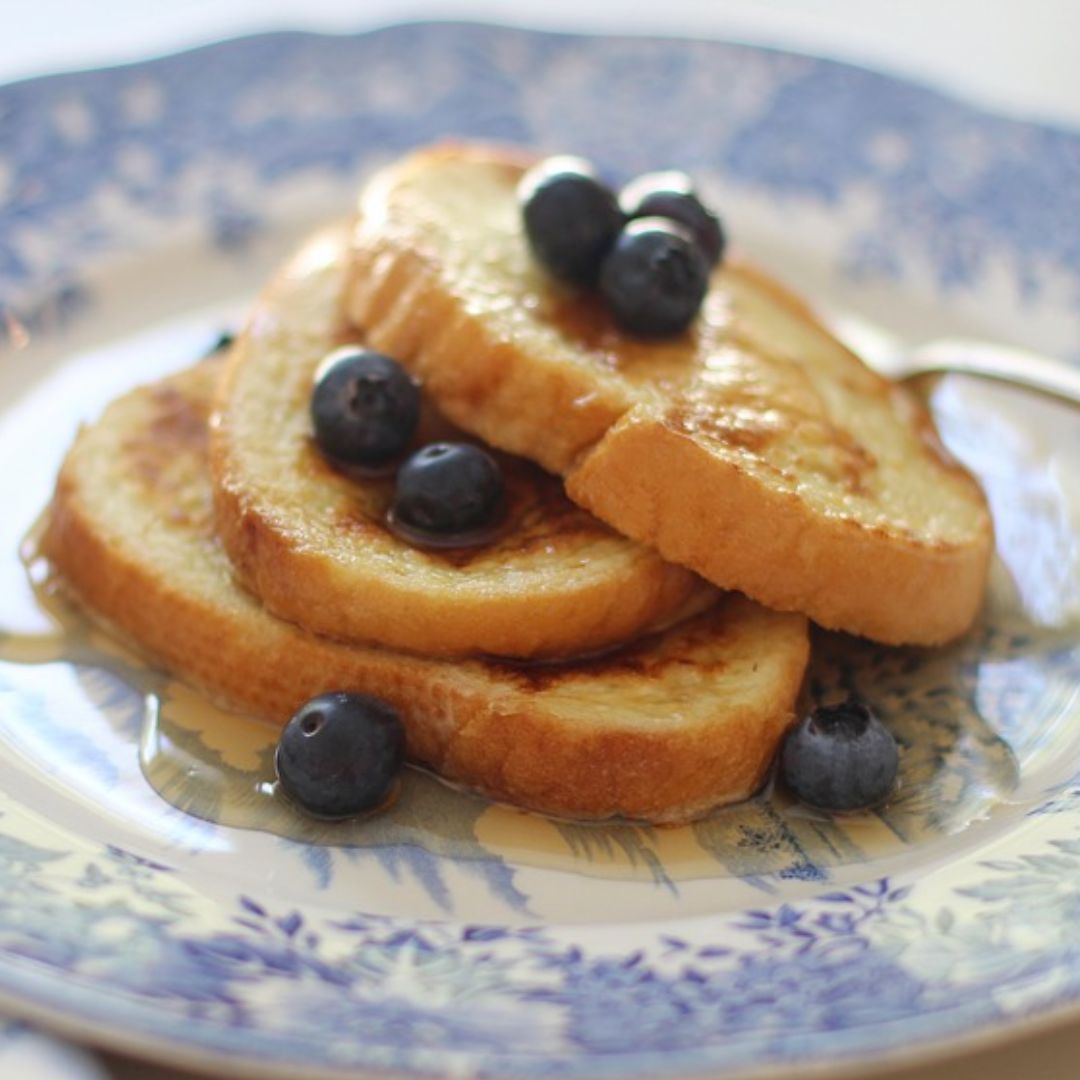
x,y
1015,56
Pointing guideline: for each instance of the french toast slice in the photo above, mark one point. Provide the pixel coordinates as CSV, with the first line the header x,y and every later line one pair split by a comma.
x,y
661,730
754,448
314,544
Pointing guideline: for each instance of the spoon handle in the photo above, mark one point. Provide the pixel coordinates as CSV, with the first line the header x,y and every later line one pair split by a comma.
x,y
1004,363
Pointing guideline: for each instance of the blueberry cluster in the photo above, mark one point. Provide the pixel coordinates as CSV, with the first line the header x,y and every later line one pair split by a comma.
x,y
649,249
340,754
365,410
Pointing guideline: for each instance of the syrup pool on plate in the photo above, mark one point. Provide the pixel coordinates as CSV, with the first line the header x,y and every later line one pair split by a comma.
x,y
218,766
97,723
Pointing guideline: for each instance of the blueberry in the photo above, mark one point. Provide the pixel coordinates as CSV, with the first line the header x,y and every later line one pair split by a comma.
x,y
571,218
340,754
655,278
225,341
364,407
840,757
448,488
672,195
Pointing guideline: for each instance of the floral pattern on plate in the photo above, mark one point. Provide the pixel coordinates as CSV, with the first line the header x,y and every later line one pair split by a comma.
x,y
125,918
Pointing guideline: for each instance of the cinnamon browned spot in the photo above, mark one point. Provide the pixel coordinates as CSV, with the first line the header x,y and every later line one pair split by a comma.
x,y
584,320
537,515
638,659
740,426
165,452
178,427
180,419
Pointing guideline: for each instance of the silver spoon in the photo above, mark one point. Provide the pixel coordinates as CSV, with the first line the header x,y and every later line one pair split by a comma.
x,y
1003,363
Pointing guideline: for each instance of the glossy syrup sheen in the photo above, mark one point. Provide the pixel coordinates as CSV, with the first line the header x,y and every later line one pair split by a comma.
x,y
985,725
218,766
535,518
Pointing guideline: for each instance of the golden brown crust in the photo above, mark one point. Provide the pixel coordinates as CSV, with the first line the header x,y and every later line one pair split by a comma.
x,y
313,544
661,730
489,375
851,577
754,449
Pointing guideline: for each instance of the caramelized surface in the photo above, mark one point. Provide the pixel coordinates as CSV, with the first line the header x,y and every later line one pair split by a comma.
x,y
663,730
548,578
755,377
754,448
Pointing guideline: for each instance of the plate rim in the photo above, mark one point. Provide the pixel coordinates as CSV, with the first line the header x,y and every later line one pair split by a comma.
x,y
936,1048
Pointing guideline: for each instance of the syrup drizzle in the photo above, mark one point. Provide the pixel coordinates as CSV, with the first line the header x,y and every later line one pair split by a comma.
x,y
218,766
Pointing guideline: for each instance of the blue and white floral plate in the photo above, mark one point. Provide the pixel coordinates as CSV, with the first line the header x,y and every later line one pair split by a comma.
x,y
155,898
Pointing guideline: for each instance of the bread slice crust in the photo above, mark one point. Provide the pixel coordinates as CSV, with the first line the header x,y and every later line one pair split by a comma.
x,y
661,730
314,544
754,449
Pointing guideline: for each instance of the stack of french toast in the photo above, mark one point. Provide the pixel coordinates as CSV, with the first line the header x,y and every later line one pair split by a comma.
x,y
630,637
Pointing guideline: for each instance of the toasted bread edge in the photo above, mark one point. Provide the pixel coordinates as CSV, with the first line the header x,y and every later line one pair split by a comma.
x,y
661,487
334,591
870,581
476,723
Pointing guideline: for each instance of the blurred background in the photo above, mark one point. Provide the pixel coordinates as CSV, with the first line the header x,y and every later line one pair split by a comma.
x,y
1018,56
